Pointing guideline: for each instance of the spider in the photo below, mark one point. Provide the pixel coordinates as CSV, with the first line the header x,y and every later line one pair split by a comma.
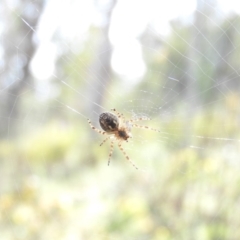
x,y
116,128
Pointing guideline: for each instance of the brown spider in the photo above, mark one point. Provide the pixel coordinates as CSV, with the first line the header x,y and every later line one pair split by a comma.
x,y
118,129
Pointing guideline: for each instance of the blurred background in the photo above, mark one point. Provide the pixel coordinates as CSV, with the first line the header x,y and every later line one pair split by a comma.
x,y
176,62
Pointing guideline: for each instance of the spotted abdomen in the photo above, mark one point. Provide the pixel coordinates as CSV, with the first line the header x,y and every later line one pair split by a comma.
x,y
108,122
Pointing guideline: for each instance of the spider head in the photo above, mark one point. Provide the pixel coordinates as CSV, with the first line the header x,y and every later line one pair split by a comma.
x,y
108,122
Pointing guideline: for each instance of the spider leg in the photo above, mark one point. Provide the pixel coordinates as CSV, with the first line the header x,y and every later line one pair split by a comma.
x,y
119,115
110,153
104,141
146,127
95,129
126,156
114,110
139,119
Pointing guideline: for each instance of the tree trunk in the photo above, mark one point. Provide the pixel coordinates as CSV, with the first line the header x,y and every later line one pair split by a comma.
x,y
101,67
18,49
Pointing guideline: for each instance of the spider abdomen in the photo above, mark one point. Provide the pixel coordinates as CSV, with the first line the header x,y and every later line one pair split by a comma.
x,y
108,122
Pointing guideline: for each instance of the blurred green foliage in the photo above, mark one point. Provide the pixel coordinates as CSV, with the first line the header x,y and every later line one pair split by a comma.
x,y
178,193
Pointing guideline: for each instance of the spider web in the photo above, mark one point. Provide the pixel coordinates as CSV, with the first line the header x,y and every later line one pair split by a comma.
x,y
189,89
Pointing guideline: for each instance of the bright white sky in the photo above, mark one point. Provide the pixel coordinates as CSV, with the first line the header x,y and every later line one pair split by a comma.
x,y
129,19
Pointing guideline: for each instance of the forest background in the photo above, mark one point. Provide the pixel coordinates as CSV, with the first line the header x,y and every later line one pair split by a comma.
x,y
62,63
